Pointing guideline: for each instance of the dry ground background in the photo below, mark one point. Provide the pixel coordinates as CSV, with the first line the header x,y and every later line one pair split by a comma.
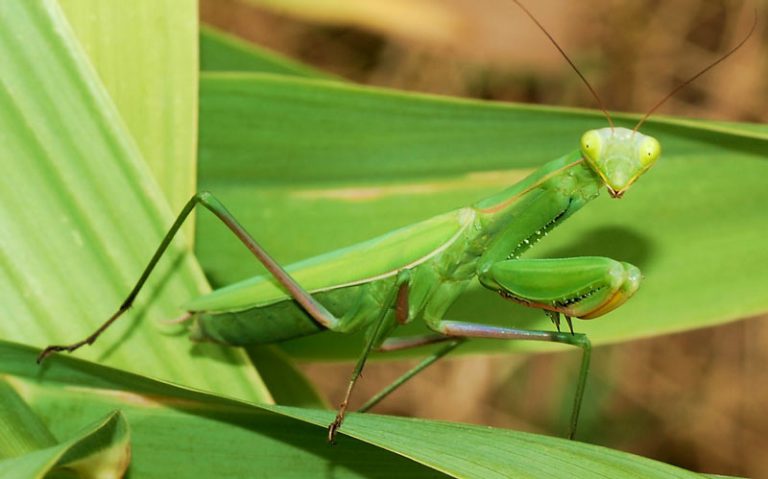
x,y
698,399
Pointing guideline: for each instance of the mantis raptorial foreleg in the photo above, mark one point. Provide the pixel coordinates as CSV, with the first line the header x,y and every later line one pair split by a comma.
x,y
583,287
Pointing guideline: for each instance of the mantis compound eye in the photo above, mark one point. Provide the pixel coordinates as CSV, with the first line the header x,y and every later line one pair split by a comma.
x,y
649,151
590,145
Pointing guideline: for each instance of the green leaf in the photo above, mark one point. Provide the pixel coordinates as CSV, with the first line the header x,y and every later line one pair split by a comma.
x,y
216,435
220,51
310,166
81,215
99,451
22,430
186,433
464,450
145,53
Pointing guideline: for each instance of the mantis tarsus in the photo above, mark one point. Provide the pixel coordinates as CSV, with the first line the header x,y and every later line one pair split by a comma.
x,y
417,272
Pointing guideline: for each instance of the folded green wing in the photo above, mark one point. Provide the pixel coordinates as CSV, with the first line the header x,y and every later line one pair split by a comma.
x,y
370,260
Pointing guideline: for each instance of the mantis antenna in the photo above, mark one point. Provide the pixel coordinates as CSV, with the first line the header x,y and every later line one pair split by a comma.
x,y
697,75
570,62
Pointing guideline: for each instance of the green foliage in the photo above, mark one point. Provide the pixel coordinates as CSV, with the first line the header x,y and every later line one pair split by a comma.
x,y
222,52
186,433
29,450
147,59
81,213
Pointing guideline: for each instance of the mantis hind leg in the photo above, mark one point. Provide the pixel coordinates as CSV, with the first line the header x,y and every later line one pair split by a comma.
x,y
316,310
474,330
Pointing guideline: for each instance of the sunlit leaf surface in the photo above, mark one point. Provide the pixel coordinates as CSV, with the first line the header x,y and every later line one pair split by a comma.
x,y
81,215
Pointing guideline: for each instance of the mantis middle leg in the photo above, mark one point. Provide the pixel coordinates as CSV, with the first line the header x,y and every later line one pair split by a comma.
x,y
397,299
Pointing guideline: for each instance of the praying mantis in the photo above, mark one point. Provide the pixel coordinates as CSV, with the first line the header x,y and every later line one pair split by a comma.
x,y
415,273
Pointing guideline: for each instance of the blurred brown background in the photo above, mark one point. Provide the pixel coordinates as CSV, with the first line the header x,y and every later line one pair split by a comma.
x,y
698,399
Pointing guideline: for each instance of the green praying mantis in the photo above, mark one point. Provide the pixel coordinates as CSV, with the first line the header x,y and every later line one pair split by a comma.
x,y
416,273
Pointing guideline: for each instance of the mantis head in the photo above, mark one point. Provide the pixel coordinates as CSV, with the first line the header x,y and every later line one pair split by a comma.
x,y
619,156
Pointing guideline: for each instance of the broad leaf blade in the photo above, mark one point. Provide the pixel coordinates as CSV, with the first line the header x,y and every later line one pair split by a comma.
x,y
307,165
100,451
186,433
145,54
81,214
22,430
235,439
220,51
485,452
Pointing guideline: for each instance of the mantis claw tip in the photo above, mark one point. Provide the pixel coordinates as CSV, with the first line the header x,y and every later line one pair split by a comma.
x,y
47,352
41,357
332,430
